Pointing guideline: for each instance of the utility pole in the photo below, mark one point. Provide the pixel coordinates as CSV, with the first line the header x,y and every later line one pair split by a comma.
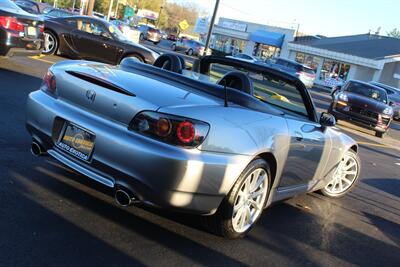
x,y
159,16
89,8
210,28
110,10
116,10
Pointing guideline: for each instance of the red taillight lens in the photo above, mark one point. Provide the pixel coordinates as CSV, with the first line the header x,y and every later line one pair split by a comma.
x,y
41,28
49,83
170,129
185,132
11,23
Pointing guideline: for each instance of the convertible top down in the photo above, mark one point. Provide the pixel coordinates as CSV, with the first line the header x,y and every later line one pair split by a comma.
x,y
224,139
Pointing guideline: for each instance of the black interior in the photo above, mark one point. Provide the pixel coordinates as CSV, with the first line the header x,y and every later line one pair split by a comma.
x,y
237,80
170,62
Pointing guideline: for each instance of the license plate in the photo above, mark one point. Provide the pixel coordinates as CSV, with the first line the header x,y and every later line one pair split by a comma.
x,y
77,142
32,31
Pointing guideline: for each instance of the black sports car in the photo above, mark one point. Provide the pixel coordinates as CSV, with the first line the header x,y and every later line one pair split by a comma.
x,y
20,32
364,104
92,39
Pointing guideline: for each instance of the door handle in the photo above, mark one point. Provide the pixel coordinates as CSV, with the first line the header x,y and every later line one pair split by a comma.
x,y
298,136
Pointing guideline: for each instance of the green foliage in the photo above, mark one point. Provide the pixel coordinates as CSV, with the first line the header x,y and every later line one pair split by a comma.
x,y
394,33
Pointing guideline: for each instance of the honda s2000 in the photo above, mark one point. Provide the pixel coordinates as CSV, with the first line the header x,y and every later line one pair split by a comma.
x,y
223,140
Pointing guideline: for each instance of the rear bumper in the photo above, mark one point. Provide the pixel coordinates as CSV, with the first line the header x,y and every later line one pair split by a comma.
x,y
14,45
366,122
167,176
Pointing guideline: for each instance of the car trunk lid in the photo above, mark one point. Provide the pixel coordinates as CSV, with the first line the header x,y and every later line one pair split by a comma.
x,y
118,94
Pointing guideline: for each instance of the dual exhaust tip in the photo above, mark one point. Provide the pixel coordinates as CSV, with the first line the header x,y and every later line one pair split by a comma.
x,y
36,149
123,197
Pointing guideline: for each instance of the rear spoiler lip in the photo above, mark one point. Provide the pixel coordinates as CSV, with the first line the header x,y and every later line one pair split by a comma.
x,y
100,82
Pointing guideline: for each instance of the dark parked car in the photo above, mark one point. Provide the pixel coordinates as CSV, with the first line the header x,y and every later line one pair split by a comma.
x,y
364,104
149,33
58,13
190,47
32,7
20,32
301,71
394,96
93,39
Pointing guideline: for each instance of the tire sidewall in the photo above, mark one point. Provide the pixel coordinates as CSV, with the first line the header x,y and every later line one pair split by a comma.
x,y
357,158
226,210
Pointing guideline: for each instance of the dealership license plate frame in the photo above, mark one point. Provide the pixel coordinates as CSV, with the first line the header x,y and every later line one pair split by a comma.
x,y
68,146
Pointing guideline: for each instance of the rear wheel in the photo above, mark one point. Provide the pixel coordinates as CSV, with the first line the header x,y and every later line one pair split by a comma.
x,y
344,177
173,47
379,134
141,37
243,206
190,52
50,43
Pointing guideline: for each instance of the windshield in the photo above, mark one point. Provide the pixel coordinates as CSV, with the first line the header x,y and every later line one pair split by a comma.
x,y
116,33
367,91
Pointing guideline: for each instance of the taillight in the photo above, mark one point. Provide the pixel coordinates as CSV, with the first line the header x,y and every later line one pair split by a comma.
x,y
11,23
49,83
170,129
41,28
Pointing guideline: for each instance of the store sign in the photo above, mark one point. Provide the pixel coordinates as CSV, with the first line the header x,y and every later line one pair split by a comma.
x,y
201,25
234,26
148,14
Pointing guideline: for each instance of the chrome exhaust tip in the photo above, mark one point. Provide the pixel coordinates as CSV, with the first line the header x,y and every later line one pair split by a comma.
x,y
124,198
36,149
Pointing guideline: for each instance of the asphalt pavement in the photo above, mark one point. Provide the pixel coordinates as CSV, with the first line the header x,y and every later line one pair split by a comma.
x,y
52,216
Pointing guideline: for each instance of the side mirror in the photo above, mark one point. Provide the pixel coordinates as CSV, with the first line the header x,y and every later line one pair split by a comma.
x,y
327,120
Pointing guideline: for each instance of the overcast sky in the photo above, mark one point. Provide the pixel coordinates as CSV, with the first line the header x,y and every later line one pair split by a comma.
x,y
326,17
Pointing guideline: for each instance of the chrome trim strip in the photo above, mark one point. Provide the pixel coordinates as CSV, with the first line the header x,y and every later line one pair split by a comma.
x,y
80,169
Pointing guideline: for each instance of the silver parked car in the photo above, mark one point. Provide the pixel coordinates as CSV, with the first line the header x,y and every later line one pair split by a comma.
x,y
223,142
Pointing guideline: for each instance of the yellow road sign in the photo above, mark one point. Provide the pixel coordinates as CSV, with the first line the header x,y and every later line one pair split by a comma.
x,y
184,24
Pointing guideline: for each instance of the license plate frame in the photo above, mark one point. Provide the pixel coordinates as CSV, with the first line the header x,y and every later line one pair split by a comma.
x,y
77,141
32,31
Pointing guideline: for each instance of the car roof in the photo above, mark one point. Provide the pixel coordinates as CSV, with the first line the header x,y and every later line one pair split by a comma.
x,y
85,17
385,86
367,84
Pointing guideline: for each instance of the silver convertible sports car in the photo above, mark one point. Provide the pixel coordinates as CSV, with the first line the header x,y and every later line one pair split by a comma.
x,y
224,139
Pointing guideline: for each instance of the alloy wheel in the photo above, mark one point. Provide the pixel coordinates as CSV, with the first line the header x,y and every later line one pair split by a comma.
x,y
344,176
49,42
249,200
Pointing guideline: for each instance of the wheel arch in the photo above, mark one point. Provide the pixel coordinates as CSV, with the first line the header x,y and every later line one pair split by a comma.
x,y
271,160
130,53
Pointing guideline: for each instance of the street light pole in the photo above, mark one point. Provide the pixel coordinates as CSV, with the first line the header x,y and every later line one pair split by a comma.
x,y
110,10
210,28
159,16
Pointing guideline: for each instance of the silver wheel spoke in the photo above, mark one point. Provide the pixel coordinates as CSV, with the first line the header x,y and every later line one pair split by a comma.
x,y
350,172
344,176
256,194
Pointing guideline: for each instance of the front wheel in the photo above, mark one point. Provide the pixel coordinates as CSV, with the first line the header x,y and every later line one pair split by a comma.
x,y
344,177
50,43
243,206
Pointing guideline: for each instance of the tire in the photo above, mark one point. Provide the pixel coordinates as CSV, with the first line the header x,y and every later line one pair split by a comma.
x,y
134,57
141,37
330,188
190,52
222,222
51,43
379,134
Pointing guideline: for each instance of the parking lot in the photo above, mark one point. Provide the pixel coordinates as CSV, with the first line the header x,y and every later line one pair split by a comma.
x,y
52,217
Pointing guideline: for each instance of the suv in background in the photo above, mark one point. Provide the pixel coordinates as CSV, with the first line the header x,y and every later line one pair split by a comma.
x,y
149,33
394,97
303,72
190,47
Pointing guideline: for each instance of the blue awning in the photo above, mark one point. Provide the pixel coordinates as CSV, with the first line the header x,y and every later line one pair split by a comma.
x,y
268,38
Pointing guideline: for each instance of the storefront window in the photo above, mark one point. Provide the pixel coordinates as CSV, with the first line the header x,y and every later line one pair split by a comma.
x,y
228,44
334,69
309,60
266,51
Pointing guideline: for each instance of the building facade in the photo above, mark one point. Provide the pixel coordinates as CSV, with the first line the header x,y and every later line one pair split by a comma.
x,y
364,57
263,41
